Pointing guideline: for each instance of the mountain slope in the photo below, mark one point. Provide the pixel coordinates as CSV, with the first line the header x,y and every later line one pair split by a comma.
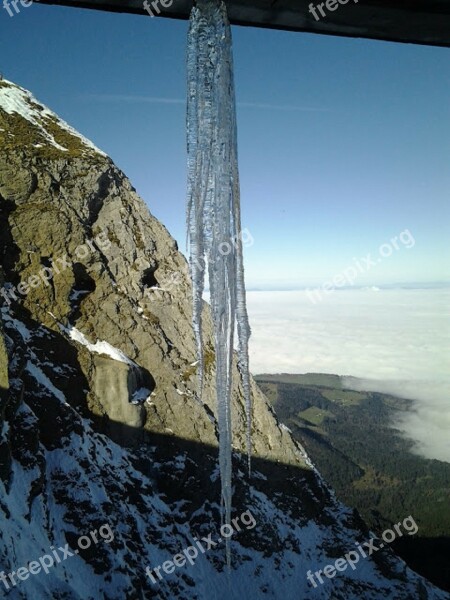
x,y
101,424
352,438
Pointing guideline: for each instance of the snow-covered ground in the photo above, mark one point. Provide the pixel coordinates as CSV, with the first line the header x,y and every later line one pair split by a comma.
x,y
14,99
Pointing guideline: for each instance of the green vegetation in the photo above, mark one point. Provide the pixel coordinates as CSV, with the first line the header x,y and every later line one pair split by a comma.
x,y
350,438
314,415
112,237
209,358
151,317
344,397
188,373
321,379
139,240
18,132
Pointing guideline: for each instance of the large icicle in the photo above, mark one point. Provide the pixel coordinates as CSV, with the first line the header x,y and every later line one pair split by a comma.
x,y
213,214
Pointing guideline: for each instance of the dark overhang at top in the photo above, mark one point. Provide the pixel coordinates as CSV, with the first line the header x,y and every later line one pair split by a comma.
x,y
413,21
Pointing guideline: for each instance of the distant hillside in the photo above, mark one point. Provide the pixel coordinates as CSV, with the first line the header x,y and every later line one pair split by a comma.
x,y
348,436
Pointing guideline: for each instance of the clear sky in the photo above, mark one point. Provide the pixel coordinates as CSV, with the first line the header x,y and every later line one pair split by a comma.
x,y
343,144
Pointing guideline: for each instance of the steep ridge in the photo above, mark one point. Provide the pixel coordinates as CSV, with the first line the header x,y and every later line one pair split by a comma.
x,y
100,421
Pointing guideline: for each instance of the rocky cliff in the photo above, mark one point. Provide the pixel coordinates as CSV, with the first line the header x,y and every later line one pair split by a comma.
x,y
100,419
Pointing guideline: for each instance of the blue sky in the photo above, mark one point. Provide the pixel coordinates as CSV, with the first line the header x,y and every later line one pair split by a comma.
x,y
343,143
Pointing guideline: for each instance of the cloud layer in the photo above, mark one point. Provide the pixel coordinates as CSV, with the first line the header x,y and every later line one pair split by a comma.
x,y
395,341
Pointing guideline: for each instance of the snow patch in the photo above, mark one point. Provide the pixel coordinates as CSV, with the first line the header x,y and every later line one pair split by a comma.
x,y
100,347
14,99
41,378
141,395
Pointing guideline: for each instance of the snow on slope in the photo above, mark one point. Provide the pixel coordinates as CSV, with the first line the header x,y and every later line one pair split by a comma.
x,y
100,346
88,481
14,99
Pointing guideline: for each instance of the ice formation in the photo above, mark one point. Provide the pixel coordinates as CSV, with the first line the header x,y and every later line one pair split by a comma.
x,y
213,214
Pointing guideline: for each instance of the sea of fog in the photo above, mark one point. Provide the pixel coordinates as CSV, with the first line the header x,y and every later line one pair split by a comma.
x,y
396,341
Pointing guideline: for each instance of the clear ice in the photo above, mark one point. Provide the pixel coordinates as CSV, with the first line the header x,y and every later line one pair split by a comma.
x,y
213,216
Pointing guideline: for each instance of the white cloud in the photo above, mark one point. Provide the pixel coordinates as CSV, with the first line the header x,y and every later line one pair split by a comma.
x,y
136,99
288,107
133,99
396,341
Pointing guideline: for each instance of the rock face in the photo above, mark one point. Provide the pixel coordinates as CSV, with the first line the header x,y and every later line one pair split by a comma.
x,y
101,423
